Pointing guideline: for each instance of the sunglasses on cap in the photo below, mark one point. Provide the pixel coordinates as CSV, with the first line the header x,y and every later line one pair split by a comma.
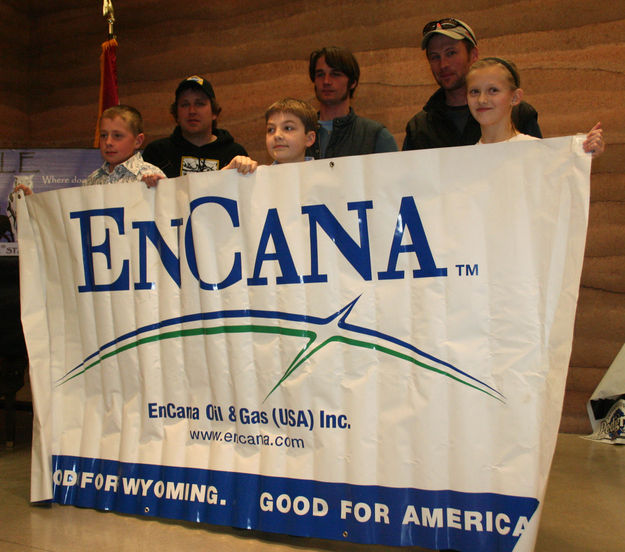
x,y
447,23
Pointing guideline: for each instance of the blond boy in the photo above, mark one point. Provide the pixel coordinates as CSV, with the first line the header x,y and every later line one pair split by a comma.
x,y
121,136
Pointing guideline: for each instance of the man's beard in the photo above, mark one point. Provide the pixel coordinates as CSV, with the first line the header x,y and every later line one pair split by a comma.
x,y
331,101
459,83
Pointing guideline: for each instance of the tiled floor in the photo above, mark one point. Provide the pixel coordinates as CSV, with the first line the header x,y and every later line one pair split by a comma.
x,y
584,512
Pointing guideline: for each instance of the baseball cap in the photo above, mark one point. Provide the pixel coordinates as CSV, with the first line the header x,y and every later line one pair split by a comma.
x,y
449,26
195,82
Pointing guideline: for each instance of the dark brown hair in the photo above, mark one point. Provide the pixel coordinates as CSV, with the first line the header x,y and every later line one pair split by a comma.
x,y
215,108
337,58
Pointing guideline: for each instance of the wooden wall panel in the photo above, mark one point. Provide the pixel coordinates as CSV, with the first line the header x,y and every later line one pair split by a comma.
x,y
14,66
571,55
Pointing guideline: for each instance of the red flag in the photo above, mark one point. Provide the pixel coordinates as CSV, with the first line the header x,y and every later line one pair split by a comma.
x,y
108,82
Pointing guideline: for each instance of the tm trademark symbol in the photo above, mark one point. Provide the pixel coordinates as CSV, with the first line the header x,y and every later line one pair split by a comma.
x,y
467,270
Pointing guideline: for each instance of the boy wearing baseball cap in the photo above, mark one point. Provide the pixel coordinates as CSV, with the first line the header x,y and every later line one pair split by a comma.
x,y
196,145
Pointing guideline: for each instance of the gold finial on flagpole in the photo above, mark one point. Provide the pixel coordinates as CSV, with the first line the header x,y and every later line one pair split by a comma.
x,y
107,11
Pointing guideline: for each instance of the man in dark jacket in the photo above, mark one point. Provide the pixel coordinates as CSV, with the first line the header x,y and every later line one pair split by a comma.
x,y
196,145
451,48
335,72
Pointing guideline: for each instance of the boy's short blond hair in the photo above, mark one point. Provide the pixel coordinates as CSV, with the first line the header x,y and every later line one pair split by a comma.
x,y
301,109
129,114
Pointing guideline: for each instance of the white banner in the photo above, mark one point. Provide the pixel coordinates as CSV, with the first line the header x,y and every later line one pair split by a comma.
x,y
371,349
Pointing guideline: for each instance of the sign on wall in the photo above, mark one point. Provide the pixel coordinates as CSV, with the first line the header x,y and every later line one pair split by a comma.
x,y
41,170
371,349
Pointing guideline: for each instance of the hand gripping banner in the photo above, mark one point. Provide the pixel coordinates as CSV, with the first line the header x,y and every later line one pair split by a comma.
x,y
371,349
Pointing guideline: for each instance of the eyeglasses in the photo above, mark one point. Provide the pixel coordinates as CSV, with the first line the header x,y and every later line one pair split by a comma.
x,y
447,23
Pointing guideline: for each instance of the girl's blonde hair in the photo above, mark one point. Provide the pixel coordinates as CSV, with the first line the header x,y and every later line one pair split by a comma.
x,y
512,73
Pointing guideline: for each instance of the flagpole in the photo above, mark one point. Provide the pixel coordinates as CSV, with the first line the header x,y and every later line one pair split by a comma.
x,y
109,95
109,14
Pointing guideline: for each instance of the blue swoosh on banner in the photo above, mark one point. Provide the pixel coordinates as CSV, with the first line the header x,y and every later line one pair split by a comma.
x,y
340,316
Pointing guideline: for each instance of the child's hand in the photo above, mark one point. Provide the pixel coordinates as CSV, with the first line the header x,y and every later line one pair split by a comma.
x,y
21,187
594,141
243,164
151,180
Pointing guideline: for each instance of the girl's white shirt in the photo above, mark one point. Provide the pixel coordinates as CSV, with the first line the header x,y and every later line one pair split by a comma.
x,y
517,138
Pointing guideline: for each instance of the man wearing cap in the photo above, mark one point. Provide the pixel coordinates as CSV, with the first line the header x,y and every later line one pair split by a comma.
x,y
196,145
451,49
335,72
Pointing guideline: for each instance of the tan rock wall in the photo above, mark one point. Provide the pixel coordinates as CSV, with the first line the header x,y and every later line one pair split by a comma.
x,y
571,55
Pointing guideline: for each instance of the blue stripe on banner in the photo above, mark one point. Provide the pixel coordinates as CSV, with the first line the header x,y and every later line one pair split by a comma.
x,y
339,511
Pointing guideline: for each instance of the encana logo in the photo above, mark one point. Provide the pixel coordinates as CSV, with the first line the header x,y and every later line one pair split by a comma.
x,y
318,332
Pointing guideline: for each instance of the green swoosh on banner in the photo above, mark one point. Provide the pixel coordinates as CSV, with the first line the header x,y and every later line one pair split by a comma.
x,y
306,353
